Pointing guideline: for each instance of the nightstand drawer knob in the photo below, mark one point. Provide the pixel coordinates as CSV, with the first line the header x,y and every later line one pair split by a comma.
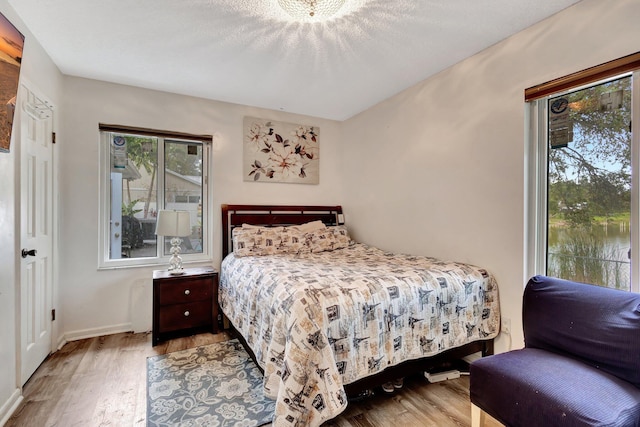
x,y
187,292
186,313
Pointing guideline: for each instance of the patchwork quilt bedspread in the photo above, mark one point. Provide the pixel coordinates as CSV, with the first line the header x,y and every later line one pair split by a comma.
x,y
318,321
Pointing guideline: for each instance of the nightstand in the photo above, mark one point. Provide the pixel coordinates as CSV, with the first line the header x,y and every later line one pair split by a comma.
x,y
184,304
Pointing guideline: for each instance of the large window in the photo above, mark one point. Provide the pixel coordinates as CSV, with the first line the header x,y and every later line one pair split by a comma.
x,y
584,162
589,184
143,172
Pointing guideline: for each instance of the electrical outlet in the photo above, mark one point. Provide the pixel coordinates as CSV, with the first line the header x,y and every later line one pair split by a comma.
x,y
506,326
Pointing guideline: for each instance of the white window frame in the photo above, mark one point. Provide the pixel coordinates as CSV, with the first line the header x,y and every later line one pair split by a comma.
x,y
536,148
162,261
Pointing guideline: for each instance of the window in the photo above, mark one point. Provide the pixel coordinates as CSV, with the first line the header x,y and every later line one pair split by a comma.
x,y
589,183
584,162
144,171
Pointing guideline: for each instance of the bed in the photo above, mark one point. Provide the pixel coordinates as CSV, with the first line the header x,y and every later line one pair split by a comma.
x,y
335,317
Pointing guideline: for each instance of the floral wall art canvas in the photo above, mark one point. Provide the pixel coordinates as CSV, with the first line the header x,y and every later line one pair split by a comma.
x,y
281,152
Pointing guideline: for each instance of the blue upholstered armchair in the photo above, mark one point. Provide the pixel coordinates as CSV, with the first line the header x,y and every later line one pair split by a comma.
x,y
580,365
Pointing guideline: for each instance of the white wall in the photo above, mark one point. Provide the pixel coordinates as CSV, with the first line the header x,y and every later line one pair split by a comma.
x,y
439,169
39,72
100,301
436,170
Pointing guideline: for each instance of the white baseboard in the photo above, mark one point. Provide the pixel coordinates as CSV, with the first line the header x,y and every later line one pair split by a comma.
x,y
96,332
7,409
61,342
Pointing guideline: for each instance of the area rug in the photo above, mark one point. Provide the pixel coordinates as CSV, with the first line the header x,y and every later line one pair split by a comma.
x,y
212,385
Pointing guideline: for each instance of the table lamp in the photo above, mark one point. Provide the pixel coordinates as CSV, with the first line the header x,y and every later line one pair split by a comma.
x,y
174,224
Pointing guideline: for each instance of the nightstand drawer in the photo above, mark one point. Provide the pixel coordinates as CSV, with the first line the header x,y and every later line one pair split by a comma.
x,y
185,316
185,303
186,291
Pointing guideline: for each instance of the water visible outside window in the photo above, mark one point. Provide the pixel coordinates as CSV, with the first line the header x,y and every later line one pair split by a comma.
x,y
589,185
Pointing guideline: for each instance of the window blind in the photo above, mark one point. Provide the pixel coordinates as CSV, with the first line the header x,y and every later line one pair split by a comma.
x,y
153,132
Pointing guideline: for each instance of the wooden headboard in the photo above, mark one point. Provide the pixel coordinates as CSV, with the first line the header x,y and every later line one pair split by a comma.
x,y
272,215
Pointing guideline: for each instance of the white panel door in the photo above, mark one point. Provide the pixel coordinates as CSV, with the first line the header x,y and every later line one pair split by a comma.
x,y
36,230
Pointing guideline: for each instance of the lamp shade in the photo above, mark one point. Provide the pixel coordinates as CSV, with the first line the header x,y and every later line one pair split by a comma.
x,y
173,223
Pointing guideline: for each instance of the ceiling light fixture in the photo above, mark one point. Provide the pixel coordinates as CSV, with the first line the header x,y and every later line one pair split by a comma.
x,y
311,10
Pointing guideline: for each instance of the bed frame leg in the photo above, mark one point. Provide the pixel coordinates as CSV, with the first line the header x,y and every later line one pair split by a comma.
x,y
477,416
487,348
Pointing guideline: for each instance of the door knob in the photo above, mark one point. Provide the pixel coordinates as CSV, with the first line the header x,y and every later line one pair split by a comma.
x,y
26,253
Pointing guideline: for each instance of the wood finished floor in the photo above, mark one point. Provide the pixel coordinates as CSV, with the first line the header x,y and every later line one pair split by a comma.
x,y
102,382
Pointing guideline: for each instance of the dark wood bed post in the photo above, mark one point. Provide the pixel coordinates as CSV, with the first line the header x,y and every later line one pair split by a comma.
x,y
487,349
225,230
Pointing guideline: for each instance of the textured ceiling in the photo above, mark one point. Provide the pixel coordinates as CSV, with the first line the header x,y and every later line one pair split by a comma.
x,y
250,52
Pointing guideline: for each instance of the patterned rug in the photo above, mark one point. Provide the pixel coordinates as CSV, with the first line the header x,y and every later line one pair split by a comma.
x,y
213,385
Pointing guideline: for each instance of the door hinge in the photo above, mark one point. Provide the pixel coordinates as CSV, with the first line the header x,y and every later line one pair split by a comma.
x,y
53,137
53,314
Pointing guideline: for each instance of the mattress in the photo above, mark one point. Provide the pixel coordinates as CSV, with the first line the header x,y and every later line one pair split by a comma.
x,y
318,321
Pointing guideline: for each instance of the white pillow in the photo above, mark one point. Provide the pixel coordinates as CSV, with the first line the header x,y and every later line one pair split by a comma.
x,y
309,227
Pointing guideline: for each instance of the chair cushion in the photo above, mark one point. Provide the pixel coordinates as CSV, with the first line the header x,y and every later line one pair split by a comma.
x,y
533,387
597,325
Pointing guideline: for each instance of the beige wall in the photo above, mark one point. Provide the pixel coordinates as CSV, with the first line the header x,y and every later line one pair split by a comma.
x,y
439,169
118,300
